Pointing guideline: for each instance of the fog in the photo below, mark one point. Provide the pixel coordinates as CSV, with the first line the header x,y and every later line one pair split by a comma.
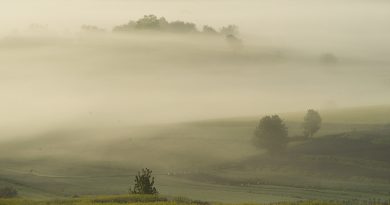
x,y
91,91
62,77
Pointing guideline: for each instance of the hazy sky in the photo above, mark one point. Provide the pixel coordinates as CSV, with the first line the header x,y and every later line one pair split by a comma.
x,y
50,86
352,23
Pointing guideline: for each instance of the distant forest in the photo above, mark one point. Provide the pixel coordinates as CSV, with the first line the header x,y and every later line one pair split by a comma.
x,y
153,23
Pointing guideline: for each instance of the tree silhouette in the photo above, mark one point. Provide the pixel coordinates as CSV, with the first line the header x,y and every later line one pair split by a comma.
x,y
230,30
311,123
209,30
182,27
148,22
271,134
144,183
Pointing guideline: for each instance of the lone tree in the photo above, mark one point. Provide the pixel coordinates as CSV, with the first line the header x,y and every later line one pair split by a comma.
x,y
144,183
8,192
271,134
311,123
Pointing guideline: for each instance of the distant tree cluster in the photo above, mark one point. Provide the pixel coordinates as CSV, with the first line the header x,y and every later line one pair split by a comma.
x,y
272,133
160,24
153,23
8,192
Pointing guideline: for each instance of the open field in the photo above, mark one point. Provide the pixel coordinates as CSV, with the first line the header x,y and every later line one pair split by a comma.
x,y
344,162
164,200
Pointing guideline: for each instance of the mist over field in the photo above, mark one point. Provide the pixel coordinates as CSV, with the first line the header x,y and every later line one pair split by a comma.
x,y
92,91
67,76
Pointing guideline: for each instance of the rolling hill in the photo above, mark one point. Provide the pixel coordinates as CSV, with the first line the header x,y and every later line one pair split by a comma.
x,y
347,160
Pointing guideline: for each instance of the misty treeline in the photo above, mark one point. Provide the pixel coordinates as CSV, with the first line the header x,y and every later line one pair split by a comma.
x,y
272,133
154,23
160,24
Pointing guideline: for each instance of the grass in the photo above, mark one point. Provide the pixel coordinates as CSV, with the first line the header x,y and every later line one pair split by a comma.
x,y
106,200
161,200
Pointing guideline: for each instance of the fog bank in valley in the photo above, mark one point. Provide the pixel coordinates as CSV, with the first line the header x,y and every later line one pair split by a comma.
x,y
61,76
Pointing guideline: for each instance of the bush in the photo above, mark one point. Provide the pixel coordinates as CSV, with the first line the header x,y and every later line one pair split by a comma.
x,y
144,183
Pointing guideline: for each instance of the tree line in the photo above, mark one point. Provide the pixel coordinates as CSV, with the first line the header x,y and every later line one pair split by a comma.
x,y
160,24
154,23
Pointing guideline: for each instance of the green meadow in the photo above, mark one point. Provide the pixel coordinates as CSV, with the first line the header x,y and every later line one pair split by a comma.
x,y
212,160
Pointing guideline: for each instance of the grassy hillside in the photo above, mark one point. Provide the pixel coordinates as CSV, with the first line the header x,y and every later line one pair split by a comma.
x,y
212,160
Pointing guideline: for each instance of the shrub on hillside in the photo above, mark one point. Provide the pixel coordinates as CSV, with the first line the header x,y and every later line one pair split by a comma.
x,y
144,183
